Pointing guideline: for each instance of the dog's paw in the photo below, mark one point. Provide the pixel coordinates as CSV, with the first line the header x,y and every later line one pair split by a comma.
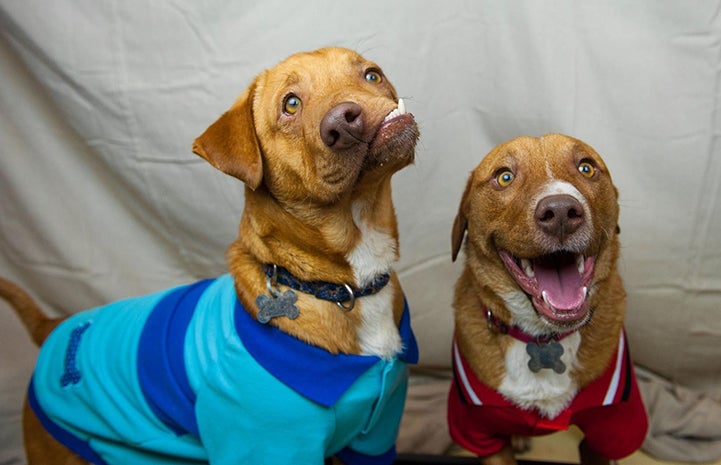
x,y
521,444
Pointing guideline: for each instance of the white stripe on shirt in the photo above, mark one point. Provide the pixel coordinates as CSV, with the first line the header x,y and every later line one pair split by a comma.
x,y
613,386
463,377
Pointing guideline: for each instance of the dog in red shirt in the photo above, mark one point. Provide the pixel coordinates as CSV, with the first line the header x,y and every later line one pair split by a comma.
x,y
539,307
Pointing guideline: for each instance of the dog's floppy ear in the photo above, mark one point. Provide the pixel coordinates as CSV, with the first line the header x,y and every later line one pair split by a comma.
x,y
230,144
460,224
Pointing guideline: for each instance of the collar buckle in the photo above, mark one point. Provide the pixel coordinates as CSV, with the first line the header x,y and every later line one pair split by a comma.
x,y
351,300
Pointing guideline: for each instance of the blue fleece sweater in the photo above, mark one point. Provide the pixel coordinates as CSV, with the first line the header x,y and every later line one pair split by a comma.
x,y
187,376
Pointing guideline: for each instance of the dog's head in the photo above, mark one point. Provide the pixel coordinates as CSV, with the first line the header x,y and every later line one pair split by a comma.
x,y
542,221
313,127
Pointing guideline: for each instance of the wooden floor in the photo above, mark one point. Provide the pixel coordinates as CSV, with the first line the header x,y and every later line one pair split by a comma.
x,y
560,447
451,460
557,448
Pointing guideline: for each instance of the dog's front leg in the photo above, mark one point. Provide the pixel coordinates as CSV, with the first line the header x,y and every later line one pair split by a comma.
x,y
589,457
503,457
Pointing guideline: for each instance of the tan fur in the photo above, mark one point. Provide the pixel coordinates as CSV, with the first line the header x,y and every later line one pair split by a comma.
x,y
299,198
496,218
41,447
38,325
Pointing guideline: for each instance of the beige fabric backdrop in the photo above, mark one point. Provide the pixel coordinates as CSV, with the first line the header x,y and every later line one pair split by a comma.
x,y
100,196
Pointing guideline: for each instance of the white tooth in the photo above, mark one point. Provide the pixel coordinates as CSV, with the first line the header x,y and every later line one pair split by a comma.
x,y
527,268
581,264
401,106
585,292
545,299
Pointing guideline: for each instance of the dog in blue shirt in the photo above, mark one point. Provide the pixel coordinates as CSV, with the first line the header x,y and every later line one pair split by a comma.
x,y
299,354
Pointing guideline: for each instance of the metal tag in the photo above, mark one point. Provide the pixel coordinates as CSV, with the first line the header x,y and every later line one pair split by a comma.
x,y
273,306
545,355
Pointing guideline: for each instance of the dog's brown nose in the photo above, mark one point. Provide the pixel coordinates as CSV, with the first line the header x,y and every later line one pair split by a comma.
x,y
342,126
559,215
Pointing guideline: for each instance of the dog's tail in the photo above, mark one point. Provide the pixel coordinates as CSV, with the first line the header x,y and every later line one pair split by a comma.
x,y
37,323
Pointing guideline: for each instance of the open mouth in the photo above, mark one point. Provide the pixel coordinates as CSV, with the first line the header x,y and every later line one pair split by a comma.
x,y
557,284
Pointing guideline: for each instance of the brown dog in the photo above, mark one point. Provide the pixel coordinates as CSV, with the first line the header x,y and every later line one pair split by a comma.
x,y
540,306
316,140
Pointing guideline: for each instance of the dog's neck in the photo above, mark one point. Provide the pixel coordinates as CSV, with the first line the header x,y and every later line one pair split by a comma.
x,y
350,242
317,241
516,332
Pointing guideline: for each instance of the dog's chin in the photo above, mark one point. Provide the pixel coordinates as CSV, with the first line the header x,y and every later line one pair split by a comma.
x,y
557,284
561,321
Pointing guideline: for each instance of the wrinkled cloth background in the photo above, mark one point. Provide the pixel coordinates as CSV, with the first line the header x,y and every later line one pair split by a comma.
x,y
101,197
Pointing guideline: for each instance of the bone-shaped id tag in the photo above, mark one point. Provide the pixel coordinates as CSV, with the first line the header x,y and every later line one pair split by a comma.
x,y
545,355
273,306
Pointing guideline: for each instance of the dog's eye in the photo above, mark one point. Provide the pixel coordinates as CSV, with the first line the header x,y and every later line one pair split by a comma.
x,y
504,177
587,169
291,104
374,76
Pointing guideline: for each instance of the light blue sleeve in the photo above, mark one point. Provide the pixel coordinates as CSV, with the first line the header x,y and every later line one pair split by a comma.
x,y
267,429
376,444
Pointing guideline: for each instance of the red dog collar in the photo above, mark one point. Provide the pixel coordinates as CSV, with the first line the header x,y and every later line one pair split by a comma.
x,y
517,333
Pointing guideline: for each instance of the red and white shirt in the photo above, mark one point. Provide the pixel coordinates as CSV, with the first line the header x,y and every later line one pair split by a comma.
x,y
609,411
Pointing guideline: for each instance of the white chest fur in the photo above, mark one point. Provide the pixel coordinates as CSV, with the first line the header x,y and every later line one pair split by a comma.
x,y
373,255
545,391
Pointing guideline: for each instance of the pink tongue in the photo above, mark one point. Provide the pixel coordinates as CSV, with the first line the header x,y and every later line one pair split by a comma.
x,y
559,277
